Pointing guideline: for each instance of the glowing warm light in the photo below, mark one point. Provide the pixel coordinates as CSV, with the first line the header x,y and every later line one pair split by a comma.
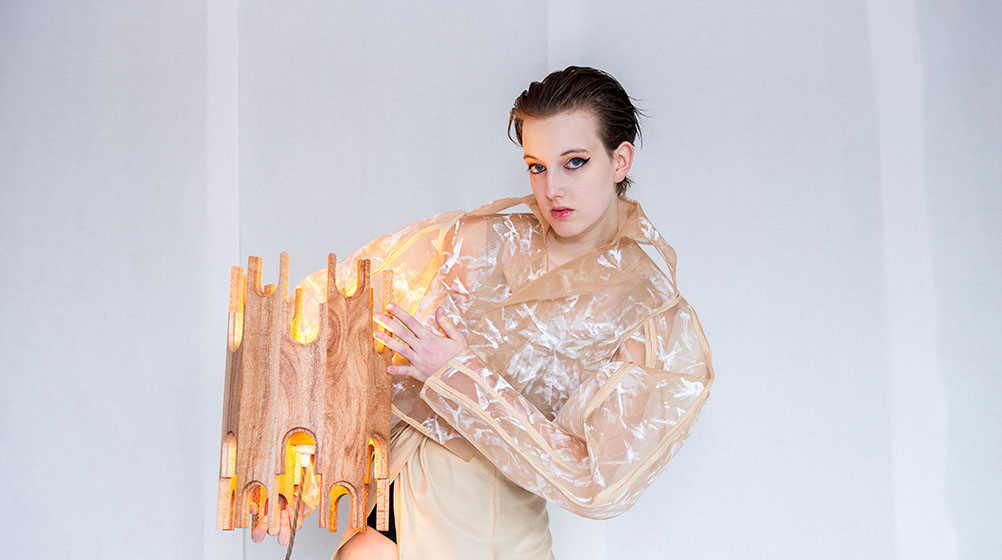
x,y
274,374
236,316
374,460
300,449
380,347
300,334
314,291
304,459
306,449
337,493
238,328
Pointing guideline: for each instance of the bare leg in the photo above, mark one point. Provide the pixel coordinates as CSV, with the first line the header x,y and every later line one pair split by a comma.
x,y
368,545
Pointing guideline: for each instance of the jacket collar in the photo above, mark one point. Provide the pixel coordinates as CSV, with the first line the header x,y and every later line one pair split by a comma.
x,y
633,224
631,216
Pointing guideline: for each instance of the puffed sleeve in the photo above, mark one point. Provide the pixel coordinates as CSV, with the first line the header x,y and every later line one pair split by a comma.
x,y
615,432
413,252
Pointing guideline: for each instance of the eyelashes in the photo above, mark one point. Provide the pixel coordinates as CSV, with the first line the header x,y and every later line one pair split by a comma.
x,y
577,165
573,163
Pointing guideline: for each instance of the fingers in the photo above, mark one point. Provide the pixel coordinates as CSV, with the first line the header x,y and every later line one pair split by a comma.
x,y
284,531
259,521
409,321
425,349
396,345
258,533
303,510
283,505
397,328
447,326
409,371
285,528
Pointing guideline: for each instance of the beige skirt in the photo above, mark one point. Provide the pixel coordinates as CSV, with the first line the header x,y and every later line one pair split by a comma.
x,y
447,508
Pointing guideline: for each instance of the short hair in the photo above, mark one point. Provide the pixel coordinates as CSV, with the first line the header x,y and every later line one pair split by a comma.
x,y
581,88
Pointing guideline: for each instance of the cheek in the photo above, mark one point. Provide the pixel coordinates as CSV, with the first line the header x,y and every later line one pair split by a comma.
x,y
538,190
535,183
596,184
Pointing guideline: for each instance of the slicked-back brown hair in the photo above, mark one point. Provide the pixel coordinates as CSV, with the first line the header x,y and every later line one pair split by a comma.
x,y
581,88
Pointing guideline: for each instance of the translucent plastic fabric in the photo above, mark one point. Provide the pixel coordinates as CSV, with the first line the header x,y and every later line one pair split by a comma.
x,y
579,383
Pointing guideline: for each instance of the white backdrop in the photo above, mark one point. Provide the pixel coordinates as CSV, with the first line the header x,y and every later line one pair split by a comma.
x,y
830,174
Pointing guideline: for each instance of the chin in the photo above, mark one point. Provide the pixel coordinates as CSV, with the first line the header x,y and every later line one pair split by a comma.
x,y
564,230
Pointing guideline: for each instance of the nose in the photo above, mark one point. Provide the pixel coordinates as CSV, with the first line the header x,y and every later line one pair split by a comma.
x,y
554,186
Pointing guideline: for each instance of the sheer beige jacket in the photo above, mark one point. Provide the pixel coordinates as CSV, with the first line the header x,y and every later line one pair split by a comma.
x,y
579,383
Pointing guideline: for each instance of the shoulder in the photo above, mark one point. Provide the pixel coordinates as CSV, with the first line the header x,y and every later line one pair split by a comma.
x,y
467,233
635,226
650,269
490,229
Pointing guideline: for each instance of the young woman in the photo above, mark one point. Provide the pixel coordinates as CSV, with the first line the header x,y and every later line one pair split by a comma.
x,y
542,355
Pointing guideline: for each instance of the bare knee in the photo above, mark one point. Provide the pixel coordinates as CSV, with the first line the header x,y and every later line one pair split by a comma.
x,y
368,545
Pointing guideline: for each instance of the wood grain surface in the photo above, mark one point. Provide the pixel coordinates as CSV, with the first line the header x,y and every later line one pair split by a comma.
x,y
332,391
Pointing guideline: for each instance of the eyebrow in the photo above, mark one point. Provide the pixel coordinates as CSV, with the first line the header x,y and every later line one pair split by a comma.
x,y
570,151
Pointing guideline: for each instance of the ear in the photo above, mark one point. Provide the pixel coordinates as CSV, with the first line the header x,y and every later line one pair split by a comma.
x,y
623,158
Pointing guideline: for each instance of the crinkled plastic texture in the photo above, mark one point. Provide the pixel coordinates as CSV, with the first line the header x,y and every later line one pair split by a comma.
x,y
579,383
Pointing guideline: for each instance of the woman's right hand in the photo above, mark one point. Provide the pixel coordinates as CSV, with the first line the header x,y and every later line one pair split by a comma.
x,y
260,526
425,350
260,520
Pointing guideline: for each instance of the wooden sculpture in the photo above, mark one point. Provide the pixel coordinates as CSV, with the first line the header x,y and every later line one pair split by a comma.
x,y
329,396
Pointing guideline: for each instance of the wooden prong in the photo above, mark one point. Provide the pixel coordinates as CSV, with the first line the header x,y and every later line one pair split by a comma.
x,y
283,275
253,281
332,291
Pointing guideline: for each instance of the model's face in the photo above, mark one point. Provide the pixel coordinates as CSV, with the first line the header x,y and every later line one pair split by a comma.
x,y
573,176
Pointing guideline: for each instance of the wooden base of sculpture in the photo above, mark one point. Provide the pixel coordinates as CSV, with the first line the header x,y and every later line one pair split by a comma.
x,y
281,393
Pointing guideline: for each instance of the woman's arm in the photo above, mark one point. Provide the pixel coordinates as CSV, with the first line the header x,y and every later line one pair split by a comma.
x,y
413,252
614,434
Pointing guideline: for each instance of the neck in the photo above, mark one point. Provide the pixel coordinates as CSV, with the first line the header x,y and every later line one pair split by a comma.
x,y
601,233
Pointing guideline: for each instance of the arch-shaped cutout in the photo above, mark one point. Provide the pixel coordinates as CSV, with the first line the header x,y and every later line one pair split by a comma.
x,y
376,462
356,287
226,497
297,478
302,331
299,436
255,500
228,456
377,467
291,461
361,280
339,490
254,265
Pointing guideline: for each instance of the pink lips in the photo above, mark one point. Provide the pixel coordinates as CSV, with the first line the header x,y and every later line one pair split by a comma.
x,y
561,212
